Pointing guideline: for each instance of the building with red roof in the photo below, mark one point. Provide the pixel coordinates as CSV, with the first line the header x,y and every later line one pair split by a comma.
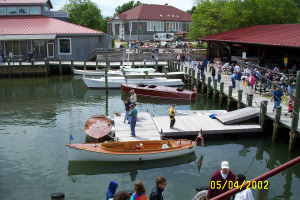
x,y
265,44
149,21
29,27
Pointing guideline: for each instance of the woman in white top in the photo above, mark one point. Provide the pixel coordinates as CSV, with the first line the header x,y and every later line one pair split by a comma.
x,y
245,194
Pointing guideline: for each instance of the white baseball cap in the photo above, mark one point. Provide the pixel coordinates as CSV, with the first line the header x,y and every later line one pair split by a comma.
x,y
224,164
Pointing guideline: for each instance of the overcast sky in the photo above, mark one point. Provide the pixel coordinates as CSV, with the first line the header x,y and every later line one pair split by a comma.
x,y
107,7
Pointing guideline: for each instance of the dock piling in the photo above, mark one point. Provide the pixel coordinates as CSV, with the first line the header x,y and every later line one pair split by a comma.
x,y
208,85
221,91
106,69
229,99
84,64
20,67
263,111
203,83
97,65
156,66
276,123
60,66
240,95
215,90
250,99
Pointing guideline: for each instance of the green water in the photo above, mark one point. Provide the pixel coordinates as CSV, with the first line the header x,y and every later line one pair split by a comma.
x,y
37,115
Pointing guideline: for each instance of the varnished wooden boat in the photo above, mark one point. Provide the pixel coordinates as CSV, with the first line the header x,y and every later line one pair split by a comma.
x,y
158,91
130,150
97,128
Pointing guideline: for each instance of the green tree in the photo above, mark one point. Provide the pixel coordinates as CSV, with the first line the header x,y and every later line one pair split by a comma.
x,y
85,13
126,6
192,10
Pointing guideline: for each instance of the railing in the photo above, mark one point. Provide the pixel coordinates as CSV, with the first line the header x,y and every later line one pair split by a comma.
x,y
262,177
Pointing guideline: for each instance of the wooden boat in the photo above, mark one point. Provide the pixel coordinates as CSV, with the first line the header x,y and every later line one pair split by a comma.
x,y
115,82
97,128
101,72
154,91
130,150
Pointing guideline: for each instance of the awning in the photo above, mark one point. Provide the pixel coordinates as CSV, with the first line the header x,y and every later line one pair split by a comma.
x,y
27,37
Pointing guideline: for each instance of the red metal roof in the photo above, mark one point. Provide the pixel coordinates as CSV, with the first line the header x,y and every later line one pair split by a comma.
x,y
155,12
40,25
277,34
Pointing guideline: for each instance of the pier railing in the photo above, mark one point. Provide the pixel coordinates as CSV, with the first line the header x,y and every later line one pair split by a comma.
x,y
262,177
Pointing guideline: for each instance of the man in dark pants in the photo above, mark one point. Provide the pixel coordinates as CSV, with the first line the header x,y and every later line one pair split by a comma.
x,y
157,191
172,116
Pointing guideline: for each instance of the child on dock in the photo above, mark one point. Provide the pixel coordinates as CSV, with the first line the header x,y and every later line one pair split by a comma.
x,y
290,106
140,192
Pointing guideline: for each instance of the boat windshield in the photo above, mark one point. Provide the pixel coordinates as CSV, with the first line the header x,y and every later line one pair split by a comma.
x,y
142,85
179,90
152,86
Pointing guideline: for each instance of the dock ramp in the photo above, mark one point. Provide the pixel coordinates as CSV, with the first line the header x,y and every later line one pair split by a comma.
x,y
240,115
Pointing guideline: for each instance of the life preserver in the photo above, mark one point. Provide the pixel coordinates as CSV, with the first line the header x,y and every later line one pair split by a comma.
x,y
201,195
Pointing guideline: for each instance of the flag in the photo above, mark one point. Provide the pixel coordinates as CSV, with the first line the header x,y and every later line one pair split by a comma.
x,y
195,89
140,27
200,136
71,137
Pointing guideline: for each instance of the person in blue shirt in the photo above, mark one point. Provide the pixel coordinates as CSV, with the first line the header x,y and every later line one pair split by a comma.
x,y
133,114
205,63
277,94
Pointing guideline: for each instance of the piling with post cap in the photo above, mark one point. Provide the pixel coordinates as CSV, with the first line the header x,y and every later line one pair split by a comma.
x,y
60,66
250,99
97,65
84,64
262,194
295,114
32,66
189,76
121,62
193,77
146,74
132,64
240,96
263,111
221,91
215,90
166,72
156,65
185,70
20,67
45,66
181,69
168,62
208,84
58,195
229,95
198,79
144,63
276,123
106,69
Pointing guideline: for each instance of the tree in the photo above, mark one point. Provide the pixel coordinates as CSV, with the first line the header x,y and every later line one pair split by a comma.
x,y
192,10
126,6
85,13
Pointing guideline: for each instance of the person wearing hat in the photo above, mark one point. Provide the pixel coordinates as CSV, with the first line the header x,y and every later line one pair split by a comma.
x,y
133,115
220,179
172,116
133,96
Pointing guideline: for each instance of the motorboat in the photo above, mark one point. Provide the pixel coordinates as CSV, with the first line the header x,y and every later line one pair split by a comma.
x,y
154,91
130,150
97,128
115,82
101,72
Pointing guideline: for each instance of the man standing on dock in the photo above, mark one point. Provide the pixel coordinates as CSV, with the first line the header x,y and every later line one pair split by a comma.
x,y
220,179
172,116
277,94
133,96
133,114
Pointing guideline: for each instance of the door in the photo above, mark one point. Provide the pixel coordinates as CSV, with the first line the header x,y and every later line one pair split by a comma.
x,y
50,50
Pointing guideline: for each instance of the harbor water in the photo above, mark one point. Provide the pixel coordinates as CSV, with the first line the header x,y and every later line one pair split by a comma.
x,y
38,114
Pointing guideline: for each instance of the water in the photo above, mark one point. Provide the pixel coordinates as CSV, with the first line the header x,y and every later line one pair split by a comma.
x,y
38,114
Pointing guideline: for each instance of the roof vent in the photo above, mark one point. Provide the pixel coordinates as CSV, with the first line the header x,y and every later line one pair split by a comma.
x,y
166,4
161,15
168,15
173,16
177,16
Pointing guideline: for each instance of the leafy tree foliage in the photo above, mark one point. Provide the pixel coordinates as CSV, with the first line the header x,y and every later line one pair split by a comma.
x,y
85,13
192,10
216,16
126,6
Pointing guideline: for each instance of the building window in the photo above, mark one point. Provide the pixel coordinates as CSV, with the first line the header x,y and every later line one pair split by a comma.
x,y
175,26
2,10
12,10
23,10
64,46
35,10
155,26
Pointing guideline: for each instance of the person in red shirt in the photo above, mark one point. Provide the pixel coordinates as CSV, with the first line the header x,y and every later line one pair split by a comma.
x,y
220,180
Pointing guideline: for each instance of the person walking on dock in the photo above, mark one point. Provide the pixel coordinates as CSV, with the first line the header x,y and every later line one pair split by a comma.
x,y
133,114
10,57
157,191
219,72
277,94
245,194
220,177
172,116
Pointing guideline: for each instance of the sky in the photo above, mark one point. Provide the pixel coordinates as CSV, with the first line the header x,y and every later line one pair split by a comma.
x,y
107,7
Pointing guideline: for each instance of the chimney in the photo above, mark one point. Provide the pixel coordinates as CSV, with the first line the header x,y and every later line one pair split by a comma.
x,y
166,4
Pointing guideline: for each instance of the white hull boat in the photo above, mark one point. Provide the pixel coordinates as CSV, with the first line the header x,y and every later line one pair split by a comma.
x,y
128,71
130,150
116,82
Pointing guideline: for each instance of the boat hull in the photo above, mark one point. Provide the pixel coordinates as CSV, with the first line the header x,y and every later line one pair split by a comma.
x,y
159,92
83,155
97,128
115,82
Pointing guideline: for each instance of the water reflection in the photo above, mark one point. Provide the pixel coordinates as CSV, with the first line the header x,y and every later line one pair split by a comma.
x,y
94,168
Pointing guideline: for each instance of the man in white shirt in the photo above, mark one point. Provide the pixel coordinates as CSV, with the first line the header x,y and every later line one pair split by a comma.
x,y
245,194
133,96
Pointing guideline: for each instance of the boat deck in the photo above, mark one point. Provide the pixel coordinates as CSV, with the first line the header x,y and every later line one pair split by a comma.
x,y
145,128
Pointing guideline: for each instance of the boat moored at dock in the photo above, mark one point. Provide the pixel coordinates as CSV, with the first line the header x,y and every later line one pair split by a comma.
x,y
97,128
130,150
